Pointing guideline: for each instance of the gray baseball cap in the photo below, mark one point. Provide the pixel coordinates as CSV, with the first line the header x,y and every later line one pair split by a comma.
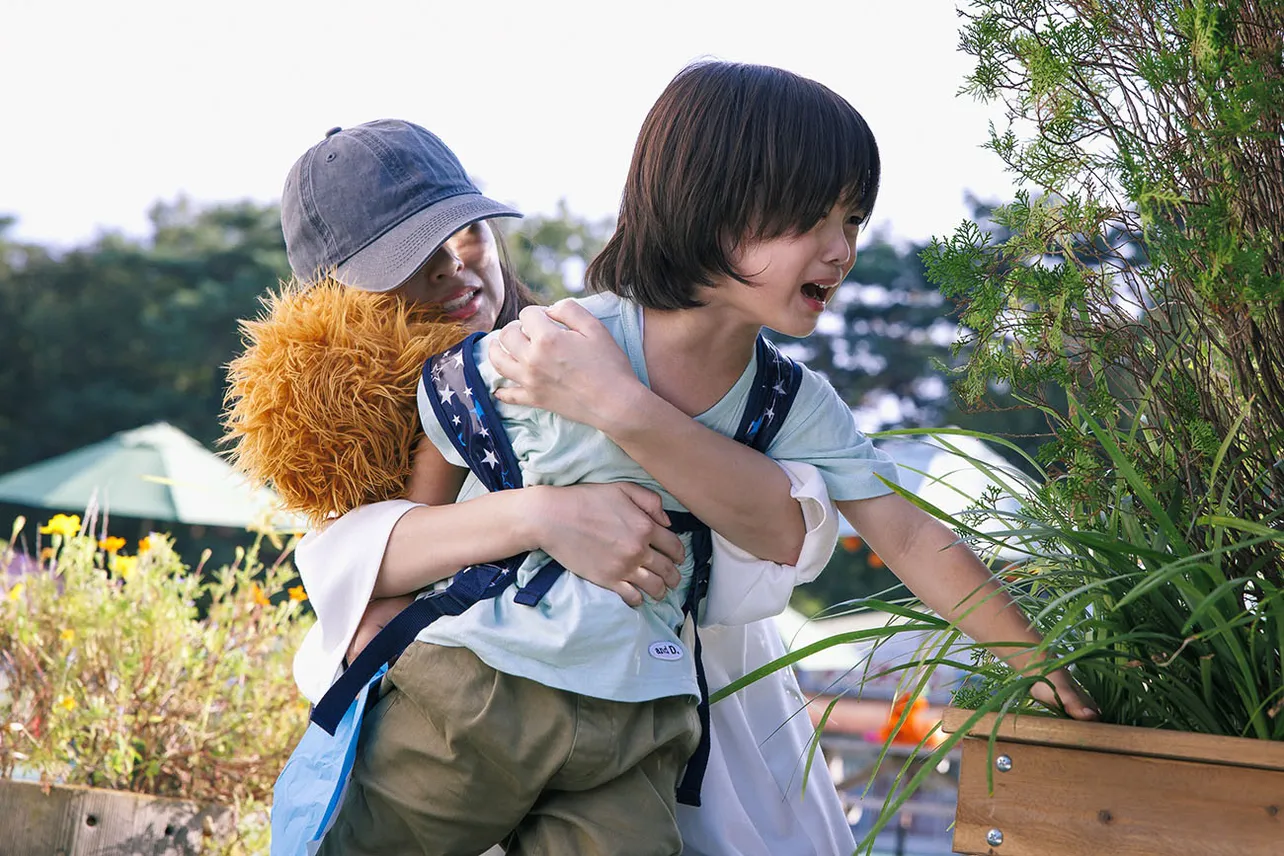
x,y
370,204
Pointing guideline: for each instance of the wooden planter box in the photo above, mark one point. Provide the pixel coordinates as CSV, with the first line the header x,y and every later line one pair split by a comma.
x,y
1066,788
77,821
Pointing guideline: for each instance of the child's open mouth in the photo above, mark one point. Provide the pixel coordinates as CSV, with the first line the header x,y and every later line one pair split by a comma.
x,y
817,295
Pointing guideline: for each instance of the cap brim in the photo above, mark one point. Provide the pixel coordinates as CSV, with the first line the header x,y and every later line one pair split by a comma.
x,y
393,257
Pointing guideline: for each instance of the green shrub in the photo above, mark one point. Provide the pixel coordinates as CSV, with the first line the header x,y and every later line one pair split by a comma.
x,y
138,673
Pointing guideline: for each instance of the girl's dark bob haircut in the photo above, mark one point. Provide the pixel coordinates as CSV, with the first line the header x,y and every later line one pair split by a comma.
x,y
730,153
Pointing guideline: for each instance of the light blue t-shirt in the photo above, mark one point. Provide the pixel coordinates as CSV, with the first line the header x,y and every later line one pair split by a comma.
x,y
583,638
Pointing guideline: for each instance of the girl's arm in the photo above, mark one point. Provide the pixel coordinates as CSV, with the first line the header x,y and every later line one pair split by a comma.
x,y
575,368
611,534
949,578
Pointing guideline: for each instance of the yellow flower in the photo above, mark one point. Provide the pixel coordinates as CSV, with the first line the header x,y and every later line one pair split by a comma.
x,y
259,597
112,544
16,591
144,544
65,525
46,553
297,593
67,635
67,703
123,565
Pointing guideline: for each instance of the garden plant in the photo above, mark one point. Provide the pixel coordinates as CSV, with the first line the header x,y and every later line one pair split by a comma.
x,y
131,670
1133,292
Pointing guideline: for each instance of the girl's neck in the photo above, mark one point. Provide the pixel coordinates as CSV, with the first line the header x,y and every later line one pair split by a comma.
x,y
694,356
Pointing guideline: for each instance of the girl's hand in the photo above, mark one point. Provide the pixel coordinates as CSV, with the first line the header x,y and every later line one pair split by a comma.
x,y
1064,693
563,359
378,613
612,535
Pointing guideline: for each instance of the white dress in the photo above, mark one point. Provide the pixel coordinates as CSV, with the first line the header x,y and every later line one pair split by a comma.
x,y
753,800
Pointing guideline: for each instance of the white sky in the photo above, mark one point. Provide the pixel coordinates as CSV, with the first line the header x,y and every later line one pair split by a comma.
x,y
110,106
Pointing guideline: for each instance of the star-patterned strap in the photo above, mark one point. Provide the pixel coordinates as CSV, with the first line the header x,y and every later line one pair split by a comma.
x,y
462,404
466,412
775,385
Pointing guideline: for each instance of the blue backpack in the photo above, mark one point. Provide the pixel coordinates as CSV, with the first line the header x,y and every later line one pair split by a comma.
x,y
310,789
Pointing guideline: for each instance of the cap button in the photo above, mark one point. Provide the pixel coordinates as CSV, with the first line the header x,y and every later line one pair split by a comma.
x,y
330,133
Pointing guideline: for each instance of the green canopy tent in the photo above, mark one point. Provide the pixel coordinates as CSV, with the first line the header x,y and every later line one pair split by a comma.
x,y
154,473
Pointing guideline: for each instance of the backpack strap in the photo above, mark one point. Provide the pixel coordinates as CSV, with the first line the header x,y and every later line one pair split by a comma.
x,y
775,386
467,414
463,407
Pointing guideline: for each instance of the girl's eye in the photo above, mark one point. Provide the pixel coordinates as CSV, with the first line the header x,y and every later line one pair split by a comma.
x,y
856,220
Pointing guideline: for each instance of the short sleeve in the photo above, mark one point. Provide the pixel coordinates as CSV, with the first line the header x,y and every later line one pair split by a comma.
x,y
821,430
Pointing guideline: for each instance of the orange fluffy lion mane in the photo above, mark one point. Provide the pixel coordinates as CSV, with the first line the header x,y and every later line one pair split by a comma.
x,y
321,404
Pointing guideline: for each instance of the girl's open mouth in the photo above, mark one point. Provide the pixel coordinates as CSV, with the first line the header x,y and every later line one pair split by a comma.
x,y
464,306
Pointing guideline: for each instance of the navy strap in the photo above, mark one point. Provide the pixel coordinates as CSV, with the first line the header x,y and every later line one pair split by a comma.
x,y
775,387
464,409
688,792
469,586
533,592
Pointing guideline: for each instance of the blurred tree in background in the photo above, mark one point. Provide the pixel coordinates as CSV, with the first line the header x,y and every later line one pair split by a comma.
x,y
550,252
121,332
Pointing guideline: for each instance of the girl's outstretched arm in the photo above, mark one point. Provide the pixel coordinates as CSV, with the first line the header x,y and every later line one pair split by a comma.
x,y
948,577
575,368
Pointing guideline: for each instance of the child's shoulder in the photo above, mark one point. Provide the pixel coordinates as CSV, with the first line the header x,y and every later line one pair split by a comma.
x,y
817,405
603,305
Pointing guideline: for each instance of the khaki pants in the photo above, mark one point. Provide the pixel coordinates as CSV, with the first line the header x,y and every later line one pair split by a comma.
x,y
457,757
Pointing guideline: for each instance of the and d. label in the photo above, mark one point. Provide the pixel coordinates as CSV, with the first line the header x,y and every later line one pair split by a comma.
x,y
666,650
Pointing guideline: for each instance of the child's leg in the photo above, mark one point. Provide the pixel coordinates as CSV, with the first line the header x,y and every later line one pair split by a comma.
x,y
451,758
615,795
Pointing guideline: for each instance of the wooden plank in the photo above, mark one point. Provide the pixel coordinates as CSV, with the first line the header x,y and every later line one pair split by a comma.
x,y
33,821
1068,802
76,821
1100,737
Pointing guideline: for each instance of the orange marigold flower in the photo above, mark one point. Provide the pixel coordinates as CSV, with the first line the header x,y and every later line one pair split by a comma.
x,y
112,544
851,543
259,596
46,553
876,561
297,593
144,544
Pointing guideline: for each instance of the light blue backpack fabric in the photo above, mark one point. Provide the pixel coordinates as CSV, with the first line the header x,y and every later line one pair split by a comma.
x,y
307,794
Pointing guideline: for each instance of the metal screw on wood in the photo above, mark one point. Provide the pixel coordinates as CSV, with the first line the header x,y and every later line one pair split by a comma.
x,y
994,837
1003,763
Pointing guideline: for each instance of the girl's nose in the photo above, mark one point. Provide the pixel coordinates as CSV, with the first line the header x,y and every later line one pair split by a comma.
x,y
448,264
